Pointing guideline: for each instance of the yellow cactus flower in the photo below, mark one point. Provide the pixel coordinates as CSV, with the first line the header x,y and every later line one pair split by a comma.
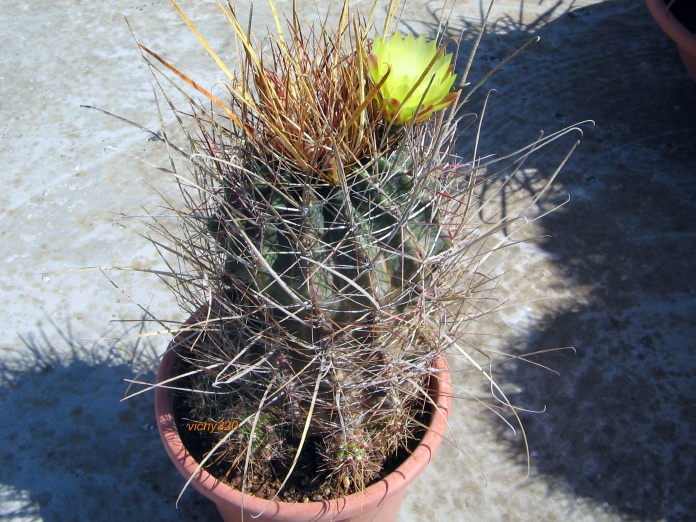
x,y
406,59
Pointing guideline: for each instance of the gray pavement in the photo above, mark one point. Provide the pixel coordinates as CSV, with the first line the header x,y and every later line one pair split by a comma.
x,y
612,273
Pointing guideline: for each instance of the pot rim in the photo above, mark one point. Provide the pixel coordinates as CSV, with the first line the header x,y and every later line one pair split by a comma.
x,y
369,498
673,27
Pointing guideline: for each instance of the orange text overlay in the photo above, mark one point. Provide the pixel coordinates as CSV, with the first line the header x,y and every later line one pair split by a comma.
x,y
212,426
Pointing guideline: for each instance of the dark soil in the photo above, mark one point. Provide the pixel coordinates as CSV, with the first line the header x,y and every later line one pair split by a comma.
x,y
308,483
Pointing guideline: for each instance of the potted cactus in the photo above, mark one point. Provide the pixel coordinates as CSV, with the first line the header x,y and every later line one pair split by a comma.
x,y
327,252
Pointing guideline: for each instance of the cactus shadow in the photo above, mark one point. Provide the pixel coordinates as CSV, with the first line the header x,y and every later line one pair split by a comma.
x,y
70,450
618,426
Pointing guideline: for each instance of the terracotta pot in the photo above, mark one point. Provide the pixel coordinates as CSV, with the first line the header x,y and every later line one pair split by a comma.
x,y
380,502
686,41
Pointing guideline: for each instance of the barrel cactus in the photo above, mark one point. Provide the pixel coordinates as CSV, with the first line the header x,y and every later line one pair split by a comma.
x,y
328,286
327,252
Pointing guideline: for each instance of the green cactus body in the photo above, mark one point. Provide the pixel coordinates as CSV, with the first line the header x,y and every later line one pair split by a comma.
x,y
326,274
331,256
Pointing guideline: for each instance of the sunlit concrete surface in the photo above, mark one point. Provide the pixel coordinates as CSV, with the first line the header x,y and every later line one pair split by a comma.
x,y
611,273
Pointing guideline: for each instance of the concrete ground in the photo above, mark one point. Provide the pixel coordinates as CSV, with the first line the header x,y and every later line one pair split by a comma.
x,y
614,265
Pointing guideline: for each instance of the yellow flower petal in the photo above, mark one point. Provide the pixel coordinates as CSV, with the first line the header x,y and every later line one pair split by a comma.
x,y
405,60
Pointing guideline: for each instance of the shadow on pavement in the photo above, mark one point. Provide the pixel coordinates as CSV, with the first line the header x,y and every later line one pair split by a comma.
x,y
619,424
69,449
